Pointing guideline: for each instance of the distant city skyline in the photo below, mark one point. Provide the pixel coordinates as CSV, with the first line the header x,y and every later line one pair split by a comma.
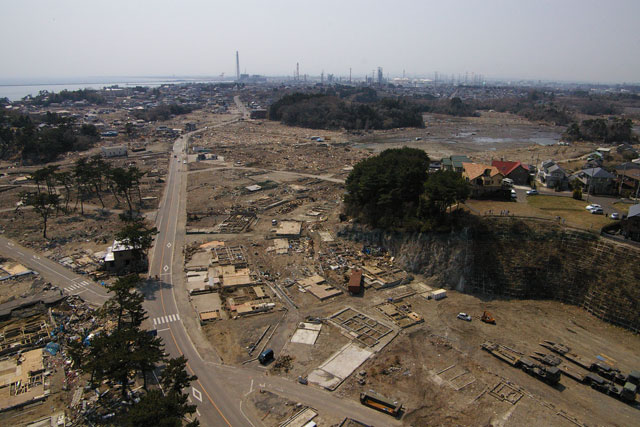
x,y
565,41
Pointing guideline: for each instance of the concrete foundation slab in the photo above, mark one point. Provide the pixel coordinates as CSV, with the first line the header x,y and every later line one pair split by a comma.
x,y
339,366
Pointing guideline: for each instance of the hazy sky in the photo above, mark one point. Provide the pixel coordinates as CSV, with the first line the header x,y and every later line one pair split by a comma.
x,y
576,40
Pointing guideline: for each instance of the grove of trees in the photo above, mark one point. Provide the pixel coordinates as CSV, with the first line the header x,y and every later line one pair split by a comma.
x,y
600,130
394,191
21,136
322,111
90,177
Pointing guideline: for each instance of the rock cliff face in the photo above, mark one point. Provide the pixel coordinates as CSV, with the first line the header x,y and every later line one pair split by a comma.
x,y
506,257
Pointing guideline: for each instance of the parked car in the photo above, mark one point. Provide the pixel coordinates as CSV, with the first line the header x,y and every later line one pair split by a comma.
x,y
597,211
615,215
303,380
532,192
266,356
514,195
464,316
592,206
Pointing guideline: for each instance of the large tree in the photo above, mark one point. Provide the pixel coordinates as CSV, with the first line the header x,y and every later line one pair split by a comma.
x,y
442,190
120,354
43,203
168,406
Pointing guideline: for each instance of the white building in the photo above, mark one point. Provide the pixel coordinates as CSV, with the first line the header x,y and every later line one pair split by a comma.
x,y
115,151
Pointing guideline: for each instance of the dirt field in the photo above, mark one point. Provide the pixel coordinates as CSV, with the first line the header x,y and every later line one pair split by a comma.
x,y
412,362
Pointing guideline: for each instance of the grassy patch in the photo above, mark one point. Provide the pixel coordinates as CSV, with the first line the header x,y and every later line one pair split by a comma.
x,y
571,210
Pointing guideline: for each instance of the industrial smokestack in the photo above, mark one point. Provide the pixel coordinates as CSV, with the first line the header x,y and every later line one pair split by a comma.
x,y
237,66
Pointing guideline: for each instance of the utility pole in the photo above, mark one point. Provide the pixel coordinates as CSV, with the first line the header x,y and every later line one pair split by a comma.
x,y
624,173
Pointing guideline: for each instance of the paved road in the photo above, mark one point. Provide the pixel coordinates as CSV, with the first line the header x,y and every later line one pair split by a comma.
x,y
246,114
220,390
70,282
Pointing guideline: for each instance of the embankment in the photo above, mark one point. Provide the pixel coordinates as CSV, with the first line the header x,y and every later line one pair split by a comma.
x,y
512,258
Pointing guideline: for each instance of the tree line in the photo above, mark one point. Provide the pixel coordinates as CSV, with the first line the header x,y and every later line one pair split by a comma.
x,y
127,352
600,130
56,188
394,191
322,111
42,139
45,98
162,112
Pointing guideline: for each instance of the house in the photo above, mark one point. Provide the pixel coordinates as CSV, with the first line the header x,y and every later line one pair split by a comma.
x,y
355,282
483,179
631,225
629,174
552,175
115,151
454,163
595,180
516,171
119,257
189,127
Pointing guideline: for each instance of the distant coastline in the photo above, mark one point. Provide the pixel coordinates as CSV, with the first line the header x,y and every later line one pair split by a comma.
x,y
16,89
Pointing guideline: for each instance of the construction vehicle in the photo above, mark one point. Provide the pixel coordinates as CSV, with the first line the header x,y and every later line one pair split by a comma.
x,y
488,318
381,403
548,374
601,377
602,369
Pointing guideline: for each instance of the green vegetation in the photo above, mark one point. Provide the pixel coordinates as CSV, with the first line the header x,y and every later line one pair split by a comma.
x,y
393,191
162,112
127,352
137,235
453,107
44,204
442,190
601,130
321,111
45,98
21,136
88,177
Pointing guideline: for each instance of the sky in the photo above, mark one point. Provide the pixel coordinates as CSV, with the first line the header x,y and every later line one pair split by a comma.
x,y
562,40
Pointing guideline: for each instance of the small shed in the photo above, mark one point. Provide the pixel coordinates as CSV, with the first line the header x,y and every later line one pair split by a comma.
x,y
355,282
439,294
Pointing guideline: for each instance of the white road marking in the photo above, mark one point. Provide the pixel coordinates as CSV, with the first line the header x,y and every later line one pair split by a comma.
x,y
162,330
166,268
10,244
169,244
36,257
250,389
19,253
196,393
165,319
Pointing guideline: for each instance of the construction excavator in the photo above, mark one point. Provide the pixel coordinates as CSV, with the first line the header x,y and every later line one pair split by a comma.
x,y
488,318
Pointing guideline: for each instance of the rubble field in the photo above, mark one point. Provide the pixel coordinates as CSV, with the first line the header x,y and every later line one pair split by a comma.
x,y
277,194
